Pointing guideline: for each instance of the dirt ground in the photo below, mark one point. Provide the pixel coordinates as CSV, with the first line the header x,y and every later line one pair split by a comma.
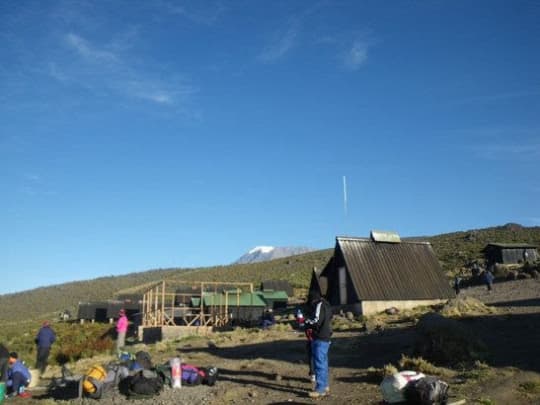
x,y
269,367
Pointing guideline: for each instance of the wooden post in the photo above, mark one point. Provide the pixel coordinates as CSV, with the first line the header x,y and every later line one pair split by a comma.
x,y
156,316
163,303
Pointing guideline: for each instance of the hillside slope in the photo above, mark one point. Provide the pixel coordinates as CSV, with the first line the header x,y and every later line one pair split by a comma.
x,y
453,250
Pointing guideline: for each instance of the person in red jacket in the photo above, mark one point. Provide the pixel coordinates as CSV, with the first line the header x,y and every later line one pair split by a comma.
x,y
121,329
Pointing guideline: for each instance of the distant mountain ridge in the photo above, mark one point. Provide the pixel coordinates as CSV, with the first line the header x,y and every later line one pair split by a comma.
x,y
265,253
454,250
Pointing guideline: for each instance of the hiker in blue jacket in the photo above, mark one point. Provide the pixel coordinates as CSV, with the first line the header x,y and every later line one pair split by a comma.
x,y
18,376
44,340
268,319
320,322
488,280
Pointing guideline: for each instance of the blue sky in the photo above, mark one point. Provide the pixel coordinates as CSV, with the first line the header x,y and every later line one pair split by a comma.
x,y
150,134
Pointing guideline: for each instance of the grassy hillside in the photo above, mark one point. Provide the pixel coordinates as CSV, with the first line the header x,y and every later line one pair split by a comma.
x,y
457,249
454,250
47,302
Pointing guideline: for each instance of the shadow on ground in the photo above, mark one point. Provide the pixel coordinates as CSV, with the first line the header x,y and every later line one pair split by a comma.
x,y
511,339
261,380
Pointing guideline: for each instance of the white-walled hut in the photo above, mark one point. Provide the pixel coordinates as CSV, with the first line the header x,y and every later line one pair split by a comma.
x,y
369,275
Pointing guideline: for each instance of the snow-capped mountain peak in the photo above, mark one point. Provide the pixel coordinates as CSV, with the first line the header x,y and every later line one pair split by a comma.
x,y
264,253
262,249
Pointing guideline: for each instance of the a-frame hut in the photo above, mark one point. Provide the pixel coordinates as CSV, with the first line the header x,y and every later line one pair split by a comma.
x,y
369,275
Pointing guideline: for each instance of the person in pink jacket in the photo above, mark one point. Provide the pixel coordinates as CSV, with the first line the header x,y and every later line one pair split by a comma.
x,y
121,329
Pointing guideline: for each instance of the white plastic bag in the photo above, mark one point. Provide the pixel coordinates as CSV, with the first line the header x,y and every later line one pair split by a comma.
x,y
392,385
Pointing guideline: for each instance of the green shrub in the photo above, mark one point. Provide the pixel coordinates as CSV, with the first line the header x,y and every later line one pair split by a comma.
x,y
81,341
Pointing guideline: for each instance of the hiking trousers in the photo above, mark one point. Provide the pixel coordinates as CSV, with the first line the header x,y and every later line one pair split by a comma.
x,y
320,361
42,358
17,381
121,342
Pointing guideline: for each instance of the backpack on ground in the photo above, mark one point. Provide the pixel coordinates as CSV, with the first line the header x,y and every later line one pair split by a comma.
x,y
125,357
192,375
145,383
144,360
93,381
426,391
211,376
164,372
393,386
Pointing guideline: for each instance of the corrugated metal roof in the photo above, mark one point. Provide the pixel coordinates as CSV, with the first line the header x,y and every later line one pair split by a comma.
x,y
394,271
512,245
243,299
273,295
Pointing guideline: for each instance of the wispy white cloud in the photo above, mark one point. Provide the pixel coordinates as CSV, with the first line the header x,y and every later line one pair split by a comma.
x,y
493,98
55,73
505,144
356,56
529,221
282,42
32,177
89,51
508,145
99,69
509,151
351,48
156,91
206,13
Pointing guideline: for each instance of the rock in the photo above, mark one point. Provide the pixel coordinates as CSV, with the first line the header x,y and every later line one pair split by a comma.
x,y
391,311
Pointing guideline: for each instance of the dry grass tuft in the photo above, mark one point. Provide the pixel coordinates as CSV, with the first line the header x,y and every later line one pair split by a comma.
x,y
465,307
421,365
444,341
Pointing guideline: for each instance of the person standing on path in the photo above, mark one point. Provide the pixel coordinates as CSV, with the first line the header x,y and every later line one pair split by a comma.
x,y
121,329
457,284
321,324
488,280
44,340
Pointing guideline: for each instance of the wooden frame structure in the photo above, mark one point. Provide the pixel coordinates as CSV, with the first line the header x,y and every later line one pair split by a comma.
x,y
160,306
